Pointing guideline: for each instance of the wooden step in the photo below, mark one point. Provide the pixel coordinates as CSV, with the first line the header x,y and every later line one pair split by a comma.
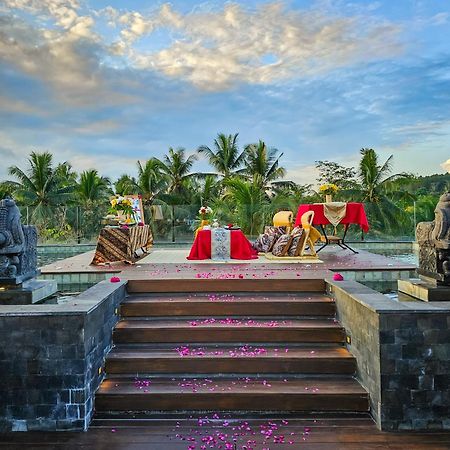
x,y
245,304
236,330
227,285
163,394
230,359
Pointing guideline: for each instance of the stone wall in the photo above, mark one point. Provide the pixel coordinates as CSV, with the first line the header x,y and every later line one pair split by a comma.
x,y
361,325
415,370
50,359
403,355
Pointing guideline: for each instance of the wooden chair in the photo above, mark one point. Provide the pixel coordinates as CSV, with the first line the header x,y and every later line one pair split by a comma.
x,y
284,219
310,234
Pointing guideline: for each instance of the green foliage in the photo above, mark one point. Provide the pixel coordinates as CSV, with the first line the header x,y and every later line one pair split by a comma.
x,y
333,173
250,203
246,188
262,164
225,157
92,188
41,186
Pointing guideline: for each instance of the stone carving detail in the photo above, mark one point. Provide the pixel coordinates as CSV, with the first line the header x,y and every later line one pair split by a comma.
x,y
18,253
434,244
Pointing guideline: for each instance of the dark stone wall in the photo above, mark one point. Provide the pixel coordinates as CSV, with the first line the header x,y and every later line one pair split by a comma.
x,y
50,357
361,325
403,355
415,371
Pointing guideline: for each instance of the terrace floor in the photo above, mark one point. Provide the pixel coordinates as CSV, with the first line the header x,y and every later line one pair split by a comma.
x,y
170,262
307,434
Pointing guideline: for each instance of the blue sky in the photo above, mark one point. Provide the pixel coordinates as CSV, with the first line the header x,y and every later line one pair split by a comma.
x,y
103,86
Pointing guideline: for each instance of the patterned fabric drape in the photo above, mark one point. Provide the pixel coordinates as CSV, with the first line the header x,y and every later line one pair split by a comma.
x,y
121,244
220,244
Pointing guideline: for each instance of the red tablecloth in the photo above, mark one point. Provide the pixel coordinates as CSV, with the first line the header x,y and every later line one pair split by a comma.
x,y
240,246
355,214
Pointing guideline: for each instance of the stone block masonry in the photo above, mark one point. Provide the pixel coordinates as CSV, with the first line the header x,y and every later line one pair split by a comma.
x,y
50,356
403,355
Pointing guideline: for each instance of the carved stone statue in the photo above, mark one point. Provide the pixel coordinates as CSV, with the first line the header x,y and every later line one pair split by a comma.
x,y
434,244
18,254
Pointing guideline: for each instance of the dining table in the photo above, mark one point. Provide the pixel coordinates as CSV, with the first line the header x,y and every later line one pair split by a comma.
x,y
233,245
355,214
122,244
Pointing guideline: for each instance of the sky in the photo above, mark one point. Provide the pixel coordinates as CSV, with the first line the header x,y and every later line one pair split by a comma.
x,y
105,83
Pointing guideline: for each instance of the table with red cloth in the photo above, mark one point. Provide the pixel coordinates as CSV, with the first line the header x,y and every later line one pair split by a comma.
x,y
354,215
240,246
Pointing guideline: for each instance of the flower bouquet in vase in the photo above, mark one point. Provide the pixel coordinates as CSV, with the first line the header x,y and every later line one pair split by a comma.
x,y
123,207
205,215
328,189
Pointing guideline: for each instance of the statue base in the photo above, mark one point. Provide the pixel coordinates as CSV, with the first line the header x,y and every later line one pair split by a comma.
x,y
19,279
424,289
28,293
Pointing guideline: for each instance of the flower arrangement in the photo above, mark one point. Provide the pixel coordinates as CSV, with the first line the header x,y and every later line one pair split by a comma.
x,y
205,212
123,206
328,189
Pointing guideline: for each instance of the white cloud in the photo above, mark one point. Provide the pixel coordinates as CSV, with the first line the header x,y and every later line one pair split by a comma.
x,y
211,49
214,50
446,165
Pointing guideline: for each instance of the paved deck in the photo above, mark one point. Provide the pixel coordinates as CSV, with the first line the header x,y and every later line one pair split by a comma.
x,y
171,262
307,434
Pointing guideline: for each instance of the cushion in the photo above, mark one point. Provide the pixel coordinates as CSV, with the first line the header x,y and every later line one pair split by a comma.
x,y
281,247
264,243
297,231
296,241
278,231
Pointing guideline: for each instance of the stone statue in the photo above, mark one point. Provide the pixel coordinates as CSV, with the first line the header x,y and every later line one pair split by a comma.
x,y
18,254
434,244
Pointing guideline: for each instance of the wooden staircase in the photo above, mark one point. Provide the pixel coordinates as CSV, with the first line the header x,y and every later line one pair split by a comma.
x,y
229,348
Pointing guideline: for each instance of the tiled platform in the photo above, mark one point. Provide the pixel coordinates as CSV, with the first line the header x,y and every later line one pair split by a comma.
x,y
376,270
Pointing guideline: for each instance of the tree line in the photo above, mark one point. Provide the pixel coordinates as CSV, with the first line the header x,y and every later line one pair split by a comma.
x,y
245,186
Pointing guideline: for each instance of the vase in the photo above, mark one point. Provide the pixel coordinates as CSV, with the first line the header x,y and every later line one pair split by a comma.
x,y
204,222
328,198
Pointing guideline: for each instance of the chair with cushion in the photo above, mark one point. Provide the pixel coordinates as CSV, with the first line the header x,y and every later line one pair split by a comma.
x,y
284,219
310,234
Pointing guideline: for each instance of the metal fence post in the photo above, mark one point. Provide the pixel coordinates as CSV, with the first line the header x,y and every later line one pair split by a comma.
x,y
78,225
173,223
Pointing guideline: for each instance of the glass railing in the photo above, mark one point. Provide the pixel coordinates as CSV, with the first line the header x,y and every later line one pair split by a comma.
x,y
177,223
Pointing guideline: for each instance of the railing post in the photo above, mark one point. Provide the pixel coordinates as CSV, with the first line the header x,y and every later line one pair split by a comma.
x,y
173,223
78,225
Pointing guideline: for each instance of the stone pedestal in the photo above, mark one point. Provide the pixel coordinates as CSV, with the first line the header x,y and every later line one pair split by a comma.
x,y
31,291
424,290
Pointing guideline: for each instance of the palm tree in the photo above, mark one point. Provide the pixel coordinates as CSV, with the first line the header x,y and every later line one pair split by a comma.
x,y
125,185
40,186
378,192
250,203
150,183
262,164
92,188
178,170
224,156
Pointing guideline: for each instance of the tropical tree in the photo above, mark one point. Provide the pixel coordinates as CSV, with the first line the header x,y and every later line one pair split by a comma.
x,y
178,167
125,185
377,190
40,186
333,173
262,164
250,203
150,183
92,188
224,157
203,191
